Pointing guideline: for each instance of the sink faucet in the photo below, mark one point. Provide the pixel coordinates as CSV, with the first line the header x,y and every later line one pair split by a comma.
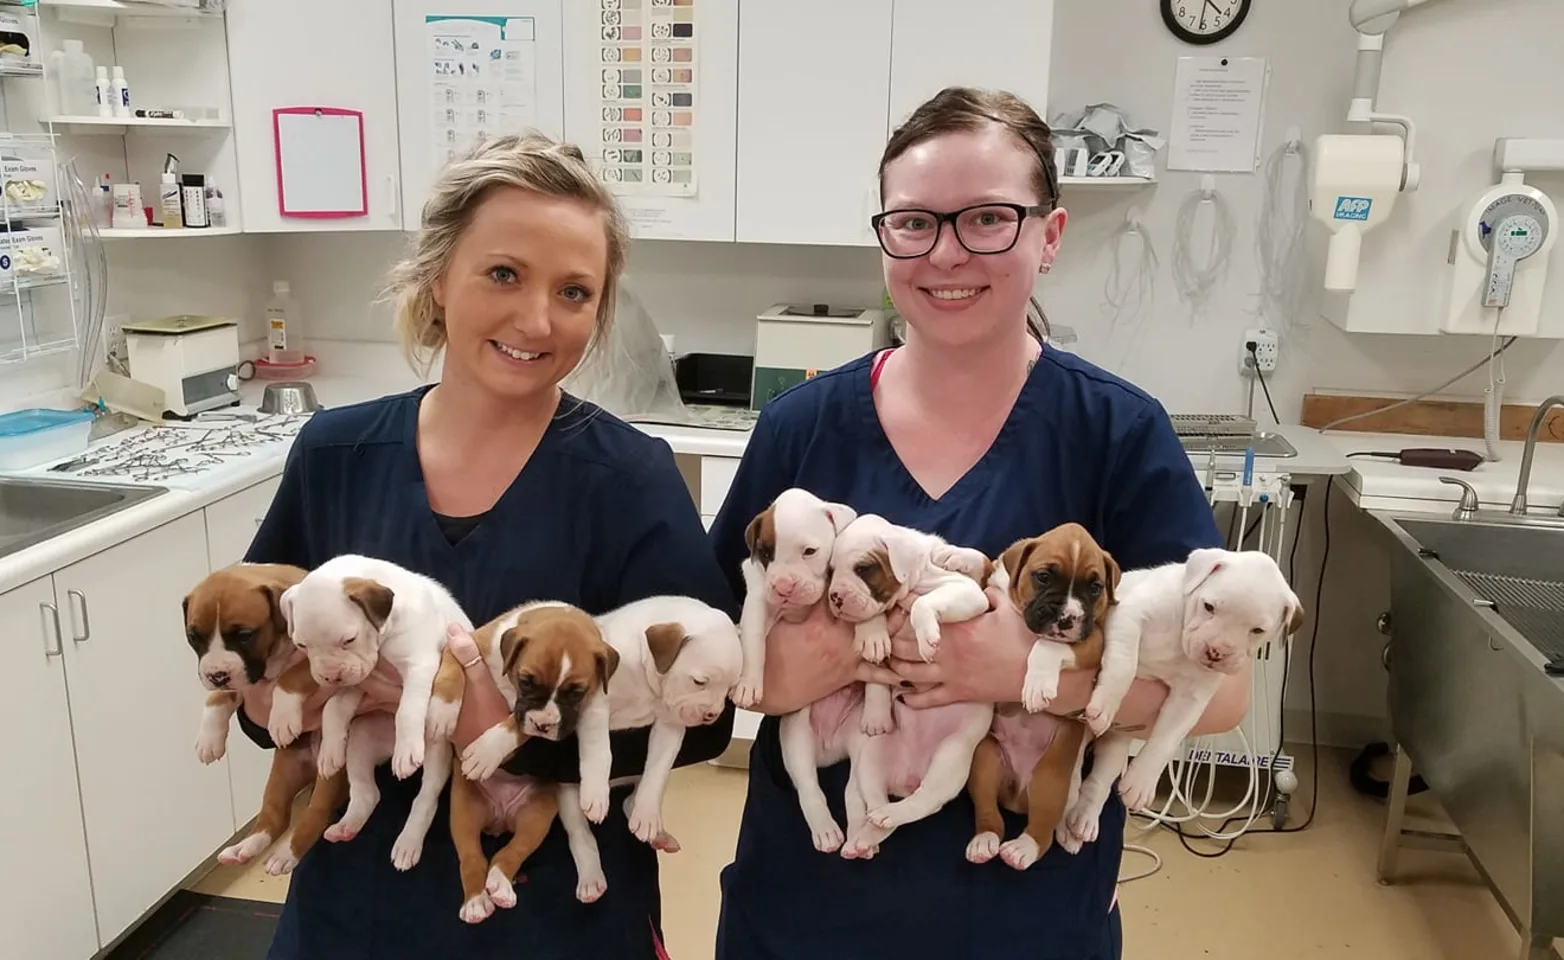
x,y
1518,505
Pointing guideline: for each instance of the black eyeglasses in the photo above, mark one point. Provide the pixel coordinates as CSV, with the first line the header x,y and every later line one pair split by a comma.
x,y
986,228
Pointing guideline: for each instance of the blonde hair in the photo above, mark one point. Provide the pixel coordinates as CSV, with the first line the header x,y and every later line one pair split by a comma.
x,y
530,161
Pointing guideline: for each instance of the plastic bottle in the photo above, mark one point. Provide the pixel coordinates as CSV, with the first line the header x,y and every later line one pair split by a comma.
x,y
284,335
104,93
168,200
121,93
216,209
78,91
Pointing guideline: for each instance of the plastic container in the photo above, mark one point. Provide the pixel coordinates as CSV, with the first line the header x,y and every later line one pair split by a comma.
x,y
120,91
284,330
105,93
38,435
77,81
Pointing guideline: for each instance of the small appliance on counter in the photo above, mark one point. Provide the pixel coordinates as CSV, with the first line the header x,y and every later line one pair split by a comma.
x,y
795,342
194,359
715,379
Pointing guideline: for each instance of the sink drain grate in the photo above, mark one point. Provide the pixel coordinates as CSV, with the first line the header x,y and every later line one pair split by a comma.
x,y
1534,607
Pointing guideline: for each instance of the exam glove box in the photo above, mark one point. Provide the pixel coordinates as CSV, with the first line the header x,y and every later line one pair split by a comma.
x,y
31,254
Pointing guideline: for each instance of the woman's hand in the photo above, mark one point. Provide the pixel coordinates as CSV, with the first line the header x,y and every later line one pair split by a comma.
x,y
382,691
979,660
808,660
483,705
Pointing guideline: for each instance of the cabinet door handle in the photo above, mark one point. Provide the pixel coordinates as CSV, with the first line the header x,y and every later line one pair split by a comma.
x,y
49,615
86,625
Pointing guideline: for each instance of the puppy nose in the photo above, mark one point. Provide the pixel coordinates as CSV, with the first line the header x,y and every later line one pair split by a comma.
x,y
785,587
1215,656
836,599
219,678
1067,622
544,726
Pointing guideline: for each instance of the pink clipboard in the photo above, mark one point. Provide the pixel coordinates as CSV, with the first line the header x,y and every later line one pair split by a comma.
x,y
320,162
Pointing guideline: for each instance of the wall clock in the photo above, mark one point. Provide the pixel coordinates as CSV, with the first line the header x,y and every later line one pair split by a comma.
x,y
1204,21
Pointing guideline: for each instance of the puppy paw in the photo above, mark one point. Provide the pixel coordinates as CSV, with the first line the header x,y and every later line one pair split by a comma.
x,y
591,886
864,844
245,850
828,838
888,817
874,642
477,909
500,889
409,756
406,852
877,720
1019,853
983,847
594,800
665,842
1138,789
646,822
1097,716
926,629
440,721
1067,841
484,755
281,863
1038,691
211,744
748,692
333,756
1082,822
286,720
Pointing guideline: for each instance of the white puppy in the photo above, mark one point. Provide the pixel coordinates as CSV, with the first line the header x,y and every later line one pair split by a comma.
x,y
785,573
877,565
1189,625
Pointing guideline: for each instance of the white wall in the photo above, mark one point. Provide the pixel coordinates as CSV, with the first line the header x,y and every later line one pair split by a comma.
x,y
707,295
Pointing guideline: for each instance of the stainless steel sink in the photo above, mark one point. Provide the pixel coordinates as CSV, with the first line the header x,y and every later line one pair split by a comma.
x,y
1476,618
32,510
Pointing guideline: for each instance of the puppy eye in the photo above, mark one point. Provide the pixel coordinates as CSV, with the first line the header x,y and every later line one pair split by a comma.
x,y
1094,588
1041,577
701,681
193,636
348,642
241,636
811,551
1258,631
1210,608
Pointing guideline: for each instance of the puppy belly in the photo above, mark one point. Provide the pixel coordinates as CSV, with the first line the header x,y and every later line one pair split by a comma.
x,y
1023,739
833,719
505,793
907,750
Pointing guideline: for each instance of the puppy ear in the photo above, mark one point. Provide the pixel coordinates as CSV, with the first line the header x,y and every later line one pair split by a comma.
x,y
607,663
907,553
752,531
184,608
1112,572
273,593
372,597
665,641
1292,615
285,608
1014,557
1200,565
511,642
840,515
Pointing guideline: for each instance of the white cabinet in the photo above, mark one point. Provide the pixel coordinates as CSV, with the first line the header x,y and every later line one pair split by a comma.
x,y
522,39
303,53
230,526
594,39
47,907
997,44
814,89
153,812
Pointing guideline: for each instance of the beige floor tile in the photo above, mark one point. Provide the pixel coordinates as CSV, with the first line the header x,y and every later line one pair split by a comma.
x,y
1311,894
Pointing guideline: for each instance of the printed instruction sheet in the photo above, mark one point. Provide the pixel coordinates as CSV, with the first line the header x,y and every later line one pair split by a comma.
x,y
483,72
648,98
1218,109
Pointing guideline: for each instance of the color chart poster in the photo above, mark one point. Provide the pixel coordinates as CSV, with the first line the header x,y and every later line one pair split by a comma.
x,y
648,101
483,72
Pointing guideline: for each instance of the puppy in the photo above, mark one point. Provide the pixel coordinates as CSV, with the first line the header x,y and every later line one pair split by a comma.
x,y
877,565
548,659
237,630
679,659
785,573
1189,625
1062,584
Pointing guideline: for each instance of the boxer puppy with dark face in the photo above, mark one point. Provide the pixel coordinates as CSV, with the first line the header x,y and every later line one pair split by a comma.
x,y
1063,585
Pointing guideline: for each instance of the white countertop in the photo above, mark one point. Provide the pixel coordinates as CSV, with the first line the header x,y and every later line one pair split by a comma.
x,y
1387,485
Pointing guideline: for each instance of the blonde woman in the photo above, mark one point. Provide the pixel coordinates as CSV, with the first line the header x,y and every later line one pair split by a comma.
x,y
505,489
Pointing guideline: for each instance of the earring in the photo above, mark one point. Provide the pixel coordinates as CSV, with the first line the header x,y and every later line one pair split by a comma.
x,y
1047,266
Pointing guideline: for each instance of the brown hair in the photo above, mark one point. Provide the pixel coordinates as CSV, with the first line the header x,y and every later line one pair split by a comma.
x,y
962,109
530,161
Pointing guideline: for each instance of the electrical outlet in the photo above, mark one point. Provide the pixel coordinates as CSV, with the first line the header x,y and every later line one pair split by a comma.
x,y
1266,348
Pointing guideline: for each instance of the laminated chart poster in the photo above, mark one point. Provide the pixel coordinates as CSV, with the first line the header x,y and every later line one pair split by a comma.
x,y
483,72
648,101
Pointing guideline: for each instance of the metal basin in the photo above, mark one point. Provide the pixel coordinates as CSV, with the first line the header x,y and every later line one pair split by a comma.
x,y
1265,445
32,511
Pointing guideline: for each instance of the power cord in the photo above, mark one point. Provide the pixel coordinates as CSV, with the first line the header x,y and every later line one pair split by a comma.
x,y
1254,367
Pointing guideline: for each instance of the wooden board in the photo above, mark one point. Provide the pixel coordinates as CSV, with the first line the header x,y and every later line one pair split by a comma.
x,y
1429,418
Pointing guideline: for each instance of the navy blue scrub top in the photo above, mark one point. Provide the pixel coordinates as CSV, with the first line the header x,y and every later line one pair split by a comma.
x,y
1080,445
600,516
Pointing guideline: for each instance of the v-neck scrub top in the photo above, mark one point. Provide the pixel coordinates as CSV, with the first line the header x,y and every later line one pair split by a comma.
x,y
599,516
1079,445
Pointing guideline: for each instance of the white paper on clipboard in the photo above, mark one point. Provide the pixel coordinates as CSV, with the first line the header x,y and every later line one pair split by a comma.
x,y
320,162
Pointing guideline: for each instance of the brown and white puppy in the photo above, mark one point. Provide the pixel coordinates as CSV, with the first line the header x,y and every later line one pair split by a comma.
x,y
551,664
877,565
233,624
1062,584
785,573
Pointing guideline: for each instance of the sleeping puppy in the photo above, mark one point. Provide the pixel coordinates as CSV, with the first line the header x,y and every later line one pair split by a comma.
x,y
1190,625
536,648
877,565
679,658
234,625
346,615
785,573
1062,583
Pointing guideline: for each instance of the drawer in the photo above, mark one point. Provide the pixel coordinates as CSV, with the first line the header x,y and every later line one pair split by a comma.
x,y
716,476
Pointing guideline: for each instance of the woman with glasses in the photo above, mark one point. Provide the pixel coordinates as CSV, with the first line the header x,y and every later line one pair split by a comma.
x,y
976,430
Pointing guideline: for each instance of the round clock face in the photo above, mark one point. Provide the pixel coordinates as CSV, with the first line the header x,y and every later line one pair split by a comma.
x,y
1203,21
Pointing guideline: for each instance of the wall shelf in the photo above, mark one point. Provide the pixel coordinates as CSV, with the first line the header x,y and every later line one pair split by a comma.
x,y
116,8
113,125
1123,183
158,233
